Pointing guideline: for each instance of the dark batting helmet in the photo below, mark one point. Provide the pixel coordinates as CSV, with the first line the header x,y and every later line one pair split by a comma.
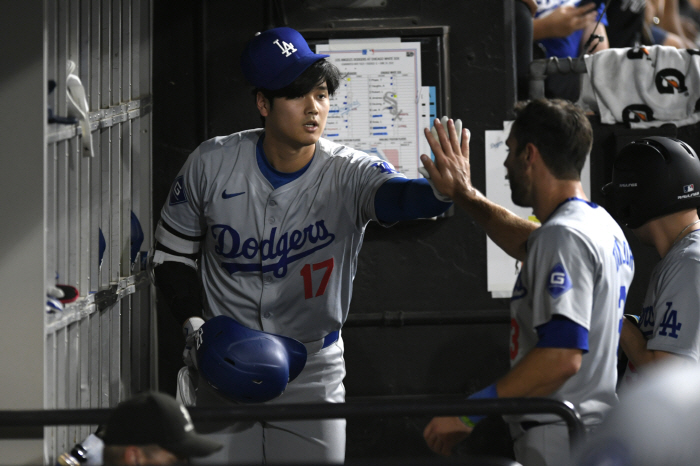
x,y
246,365
652,177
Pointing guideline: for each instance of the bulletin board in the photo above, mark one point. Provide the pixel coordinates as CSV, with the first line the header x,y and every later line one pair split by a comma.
x,y
394,83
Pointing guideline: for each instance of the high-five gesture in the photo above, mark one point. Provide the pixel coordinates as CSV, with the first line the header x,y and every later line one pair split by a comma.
x,y
450,173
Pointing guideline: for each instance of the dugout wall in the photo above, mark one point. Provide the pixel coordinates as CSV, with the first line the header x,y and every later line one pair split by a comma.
x,y
90,185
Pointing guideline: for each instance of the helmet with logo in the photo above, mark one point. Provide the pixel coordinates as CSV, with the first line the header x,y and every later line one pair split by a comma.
x,y
652,177
246,365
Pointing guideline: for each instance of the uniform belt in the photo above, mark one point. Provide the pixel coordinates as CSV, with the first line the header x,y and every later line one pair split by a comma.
x,y
317,345
330,339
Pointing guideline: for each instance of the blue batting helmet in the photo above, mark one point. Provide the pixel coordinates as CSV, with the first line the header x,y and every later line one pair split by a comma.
x,y
246,365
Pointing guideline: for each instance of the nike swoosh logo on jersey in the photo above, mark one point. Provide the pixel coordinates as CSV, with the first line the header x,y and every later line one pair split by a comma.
x,y
229,196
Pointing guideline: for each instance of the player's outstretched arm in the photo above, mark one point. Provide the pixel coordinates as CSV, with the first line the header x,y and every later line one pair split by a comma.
x,y
451,176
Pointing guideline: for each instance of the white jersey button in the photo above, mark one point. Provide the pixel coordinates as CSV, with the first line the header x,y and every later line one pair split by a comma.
x,y
267,315
272,220
273,203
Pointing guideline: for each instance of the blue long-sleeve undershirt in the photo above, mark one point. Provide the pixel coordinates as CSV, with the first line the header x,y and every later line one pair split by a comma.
x,y
403,199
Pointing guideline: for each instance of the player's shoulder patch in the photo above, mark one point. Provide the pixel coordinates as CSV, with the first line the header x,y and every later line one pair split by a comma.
x,y
384,167
178,194
558,281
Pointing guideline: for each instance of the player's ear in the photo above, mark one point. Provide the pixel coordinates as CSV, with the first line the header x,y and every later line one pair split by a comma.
x,y
263,104
531,152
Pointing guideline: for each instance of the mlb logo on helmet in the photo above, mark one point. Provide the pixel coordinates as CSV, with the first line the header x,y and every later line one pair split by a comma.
x,y
273,59
689,188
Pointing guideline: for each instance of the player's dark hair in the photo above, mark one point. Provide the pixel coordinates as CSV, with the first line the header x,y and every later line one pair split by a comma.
x,y
561,132
315,75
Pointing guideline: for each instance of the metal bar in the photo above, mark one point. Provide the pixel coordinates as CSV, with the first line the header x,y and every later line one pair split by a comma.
x,y
125,196
94,89
105,54
104,355
403,318
125,374
105,212
115,240
105,118
406,406
73,376
126,51
115,356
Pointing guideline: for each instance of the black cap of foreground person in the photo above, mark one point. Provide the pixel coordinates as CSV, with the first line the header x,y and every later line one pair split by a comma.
x,y
153,418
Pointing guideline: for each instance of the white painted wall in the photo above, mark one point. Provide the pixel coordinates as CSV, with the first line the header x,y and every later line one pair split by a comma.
x,y
22,244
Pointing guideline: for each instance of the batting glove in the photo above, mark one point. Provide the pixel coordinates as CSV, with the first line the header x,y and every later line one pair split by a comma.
x,y
424,172
192,340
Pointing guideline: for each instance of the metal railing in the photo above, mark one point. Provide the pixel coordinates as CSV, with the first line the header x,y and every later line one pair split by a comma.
x,y
351,409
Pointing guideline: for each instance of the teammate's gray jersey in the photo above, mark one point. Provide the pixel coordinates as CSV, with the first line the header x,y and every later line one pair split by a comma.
x,y
279,260
579,266
670,317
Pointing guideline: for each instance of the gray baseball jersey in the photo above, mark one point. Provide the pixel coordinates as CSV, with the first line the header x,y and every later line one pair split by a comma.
x,y
579,266
279,260
671,311
670,317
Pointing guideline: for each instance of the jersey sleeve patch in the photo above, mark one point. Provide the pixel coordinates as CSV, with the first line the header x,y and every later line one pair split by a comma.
x,y
558,282
178,195
385,167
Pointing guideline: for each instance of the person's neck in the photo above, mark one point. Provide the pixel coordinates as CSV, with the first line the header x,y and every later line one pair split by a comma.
x,y
670,229
285,157
550,194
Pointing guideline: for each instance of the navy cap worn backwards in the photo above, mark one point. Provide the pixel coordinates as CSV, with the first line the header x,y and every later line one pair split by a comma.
x,y
156,418
273,59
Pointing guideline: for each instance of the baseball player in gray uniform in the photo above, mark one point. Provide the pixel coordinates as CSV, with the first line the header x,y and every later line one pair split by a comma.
x,y
655,191
568,300
270,222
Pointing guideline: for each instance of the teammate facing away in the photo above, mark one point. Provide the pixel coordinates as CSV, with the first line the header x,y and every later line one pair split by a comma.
x,y
270,221
568,300
655,191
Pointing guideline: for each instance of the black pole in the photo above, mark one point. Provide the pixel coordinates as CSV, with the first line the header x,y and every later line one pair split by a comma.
x,y
352,409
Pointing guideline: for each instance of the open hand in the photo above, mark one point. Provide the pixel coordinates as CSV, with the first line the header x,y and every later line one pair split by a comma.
x,y
450,173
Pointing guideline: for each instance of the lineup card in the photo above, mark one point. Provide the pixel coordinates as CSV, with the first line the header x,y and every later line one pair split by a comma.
x,y
377,108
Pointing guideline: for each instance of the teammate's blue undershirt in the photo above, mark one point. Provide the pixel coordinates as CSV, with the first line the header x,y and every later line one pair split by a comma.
x,y
397,199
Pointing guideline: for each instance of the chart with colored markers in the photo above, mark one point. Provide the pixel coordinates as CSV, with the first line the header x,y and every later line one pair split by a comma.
x,y
378,107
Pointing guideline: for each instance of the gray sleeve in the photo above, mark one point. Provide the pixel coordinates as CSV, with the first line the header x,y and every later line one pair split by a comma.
x,y
361,176
183,208
564,266
677,309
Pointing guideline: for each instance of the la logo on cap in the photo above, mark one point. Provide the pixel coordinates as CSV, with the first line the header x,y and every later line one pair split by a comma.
x,y
286,47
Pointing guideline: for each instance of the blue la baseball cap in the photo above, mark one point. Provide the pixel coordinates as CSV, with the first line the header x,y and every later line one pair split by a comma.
x,y
273,59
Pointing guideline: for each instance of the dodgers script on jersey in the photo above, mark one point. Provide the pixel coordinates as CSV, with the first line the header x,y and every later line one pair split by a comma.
x,y
579,266
279,260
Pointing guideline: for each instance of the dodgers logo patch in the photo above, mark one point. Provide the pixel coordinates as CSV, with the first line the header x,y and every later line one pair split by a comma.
x,y
178,195
558,282
385,167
